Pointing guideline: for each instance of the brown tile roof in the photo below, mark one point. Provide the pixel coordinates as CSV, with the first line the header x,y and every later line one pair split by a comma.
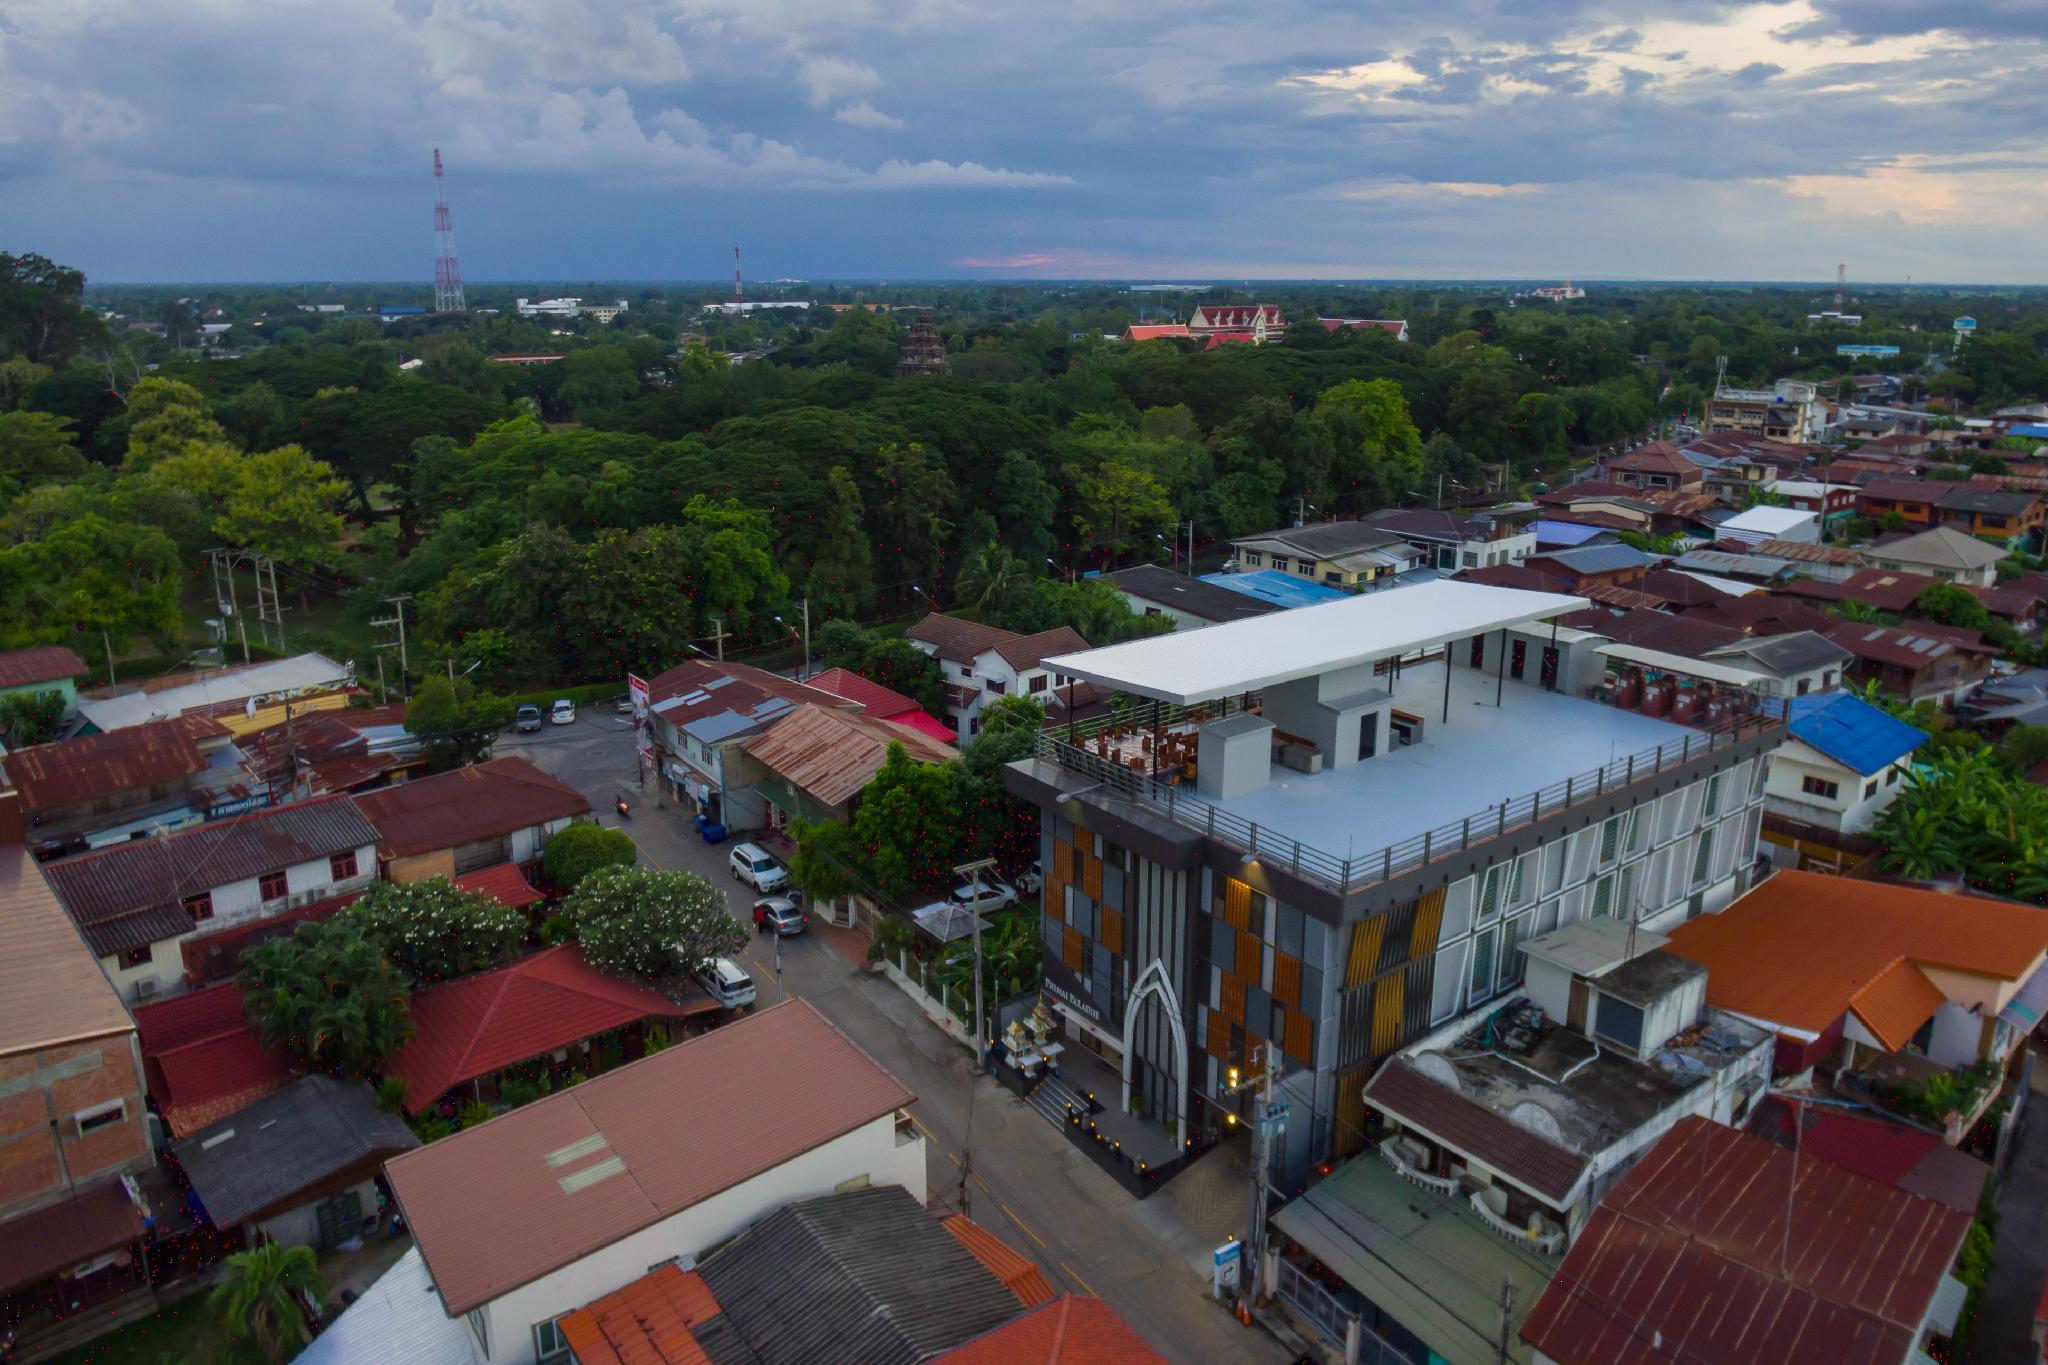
x,y
1805,553
646,1323
1018,1274
39,664
65,1234
1803,949
1719,1247
130,894
72,770
1447,1116
648,1140
1911,648
960,641
1657,457
1906,490
51,988
832,755
466,805
202,1059
1073,1329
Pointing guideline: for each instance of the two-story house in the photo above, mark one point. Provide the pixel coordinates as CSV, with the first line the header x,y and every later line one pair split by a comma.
x,y
135,902
1944,553
698,711
74,1131
104,789
1654,464
524,1220
1456,542
1343,554
1918,661
979,662
468,819
1914,500
2003,517
1842,765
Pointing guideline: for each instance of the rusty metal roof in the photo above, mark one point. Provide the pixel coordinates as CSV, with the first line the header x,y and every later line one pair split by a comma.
x,y
501,1205
72,770
831,755
465,806
51,989
1524,1157
39,664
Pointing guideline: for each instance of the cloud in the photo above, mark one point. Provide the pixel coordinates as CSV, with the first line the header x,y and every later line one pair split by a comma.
x,y
865,115
831,79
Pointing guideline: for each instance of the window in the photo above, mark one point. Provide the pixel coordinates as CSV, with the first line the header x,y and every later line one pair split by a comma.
x,y
480,1324
139,957
1307,569
1619,1022
1037,683
1891,778
1634,839
101,1116
1603,895
342,866
1511,959
1281,562
1471,559
1331,576
548,1341
1482,964
1625,900
1518,879
1713,796
1819,786
1368,735
1704,857
999,688
1870,789
1610,839
1805,685
1254,558
273,887
1518,658
199,907
1489,892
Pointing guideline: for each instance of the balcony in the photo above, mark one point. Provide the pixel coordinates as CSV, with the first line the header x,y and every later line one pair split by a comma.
x,y
1411,1161
1538,1234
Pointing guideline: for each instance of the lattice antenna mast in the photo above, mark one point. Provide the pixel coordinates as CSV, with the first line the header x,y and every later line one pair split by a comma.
x,y
739,295
447,270
1841,283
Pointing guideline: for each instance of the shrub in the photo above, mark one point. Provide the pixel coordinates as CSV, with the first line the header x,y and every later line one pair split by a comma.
x,y
391,1092
475,1114
582,849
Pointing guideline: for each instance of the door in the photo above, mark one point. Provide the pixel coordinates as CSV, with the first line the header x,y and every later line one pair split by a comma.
x,y
1368,735
339,1217
1576,1012
1550,666
1518,658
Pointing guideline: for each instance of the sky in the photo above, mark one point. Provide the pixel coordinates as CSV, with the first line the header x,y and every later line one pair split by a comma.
x,y
235,140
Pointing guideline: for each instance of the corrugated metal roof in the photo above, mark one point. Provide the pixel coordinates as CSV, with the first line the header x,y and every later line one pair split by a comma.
x,y
226,686
1444,1114
490,1213
398,1318
80,769
51,989
862,1278
39,664
1865,738
62,1235
466,805
1195,596
1691,1258
1282,590
832,755
1588,559
255,1161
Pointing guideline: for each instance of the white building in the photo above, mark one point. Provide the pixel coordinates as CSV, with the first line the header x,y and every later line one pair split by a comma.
x,y
568,308
135,902
526,1219
1353,863
1844,762
979,662
1771,523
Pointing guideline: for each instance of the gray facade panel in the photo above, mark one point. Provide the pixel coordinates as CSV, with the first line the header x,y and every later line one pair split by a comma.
x,y
1288,932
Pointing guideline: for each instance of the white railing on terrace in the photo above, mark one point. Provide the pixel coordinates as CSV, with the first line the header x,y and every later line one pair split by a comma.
x,y
1181,805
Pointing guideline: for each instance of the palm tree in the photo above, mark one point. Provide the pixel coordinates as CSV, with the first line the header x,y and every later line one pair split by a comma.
x,y
260,1293
1861,613
990,574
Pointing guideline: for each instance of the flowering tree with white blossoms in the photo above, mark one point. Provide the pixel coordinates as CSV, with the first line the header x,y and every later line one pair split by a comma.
x,y
433,930
647,924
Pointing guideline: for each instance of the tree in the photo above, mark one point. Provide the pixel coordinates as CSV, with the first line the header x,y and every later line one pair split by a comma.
x,y
30,717
261,1295
254,418
36,448
1118,507
909,515
827,859
18,375
908,824
651,925
456,724
1862,613
901,666
282,505
842,573
433,930
328,995
581,849
596,379
164,416
990,574
1375,447
2025,747
1023,502
1967,814
1951,604
89,581
43,317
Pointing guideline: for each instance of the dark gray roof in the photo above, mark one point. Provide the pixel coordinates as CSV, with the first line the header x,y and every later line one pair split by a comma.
x,y
863,1278
128,895
1599,558
1799,651
256,1159
1325,539
1964,498
1428,523
1190,595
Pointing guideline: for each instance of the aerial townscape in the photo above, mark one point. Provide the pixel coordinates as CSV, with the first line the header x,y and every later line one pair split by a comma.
x,y
885,730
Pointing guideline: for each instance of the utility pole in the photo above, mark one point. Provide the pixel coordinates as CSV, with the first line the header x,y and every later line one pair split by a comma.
x,y
1255,1241
108,645
803,676
972,871
1300,508
396,620
718,636
1507,1318
383,695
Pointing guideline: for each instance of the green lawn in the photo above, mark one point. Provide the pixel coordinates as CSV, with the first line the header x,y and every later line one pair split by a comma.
x,y
186,1331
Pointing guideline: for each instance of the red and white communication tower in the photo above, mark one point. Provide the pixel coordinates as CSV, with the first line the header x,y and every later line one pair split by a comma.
x,y
447,270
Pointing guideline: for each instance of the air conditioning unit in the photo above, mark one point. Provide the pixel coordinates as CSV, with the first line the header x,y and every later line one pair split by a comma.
x,y
145,988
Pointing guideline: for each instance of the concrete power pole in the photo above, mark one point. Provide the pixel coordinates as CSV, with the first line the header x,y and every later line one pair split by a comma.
x,y
972,871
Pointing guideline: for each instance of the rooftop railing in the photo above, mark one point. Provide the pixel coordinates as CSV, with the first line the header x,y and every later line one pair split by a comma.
x,y
1166,795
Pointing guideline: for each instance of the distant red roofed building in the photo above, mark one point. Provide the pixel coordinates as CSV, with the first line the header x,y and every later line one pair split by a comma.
x,y
1220,339
1155,331
468,819
881,702
1397,327
1263,320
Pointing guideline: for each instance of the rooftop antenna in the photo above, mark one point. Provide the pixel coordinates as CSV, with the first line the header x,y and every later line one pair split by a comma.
x,y
447,270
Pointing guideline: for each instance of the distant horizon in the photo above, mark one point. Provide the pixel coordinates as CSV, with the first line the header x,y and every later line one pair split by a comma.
x,y
1126,281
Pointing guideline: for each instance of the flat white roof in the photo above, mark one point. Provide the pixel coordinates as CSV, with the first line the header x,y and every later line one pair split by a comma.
x,y
1767,519
1244,656
299,673
1589,947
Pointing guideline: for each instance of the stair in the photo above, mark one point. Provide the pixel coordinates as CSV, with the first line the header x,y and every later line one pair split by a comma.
x,y
1052,1096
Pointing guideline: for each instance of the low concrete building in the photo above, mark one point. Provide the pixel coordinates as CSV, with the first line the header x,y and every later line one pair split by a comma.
x,y
1842,765
468,819
42,668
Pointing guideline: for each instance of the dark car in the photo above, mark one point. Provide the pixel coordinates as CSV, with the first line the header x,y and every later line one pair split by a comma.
x,y
527,719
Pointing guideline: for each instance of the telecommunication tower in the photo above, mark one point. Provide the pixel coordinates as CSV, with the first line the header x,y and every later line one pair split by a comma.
x,y
1841,283
447,270
739,295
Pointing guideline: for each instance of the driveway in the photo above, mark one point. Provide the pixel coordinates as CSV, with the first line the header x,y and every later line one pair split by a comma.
x,y
989,1153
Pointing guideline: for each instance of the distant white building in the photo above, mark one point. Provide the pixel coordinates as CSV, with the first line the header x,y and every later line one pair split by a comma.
x,y
1560,293
568,308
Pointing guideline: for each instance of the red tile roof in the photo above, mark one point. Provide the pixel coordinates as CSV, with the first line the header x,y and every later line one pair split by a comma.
x,y
490,1213
1521,1155
506,884
1802,949
646,1323
1018,1275
39,664
201,1058
1217,339
1690,1258
466,805
1658,457
875,699
962,641
80,769
1073,1329
1154,331
67,1233
481,1024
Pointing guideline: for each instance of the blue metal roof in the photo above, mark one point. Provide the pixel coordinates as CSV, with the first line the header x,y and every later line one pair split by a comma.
x,y
1282,590
2029,429
1566,532
1852,731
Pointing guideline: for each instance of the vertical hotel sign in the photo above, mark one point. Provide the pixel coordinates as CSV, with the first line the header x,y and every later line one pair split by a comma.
x,y
643,736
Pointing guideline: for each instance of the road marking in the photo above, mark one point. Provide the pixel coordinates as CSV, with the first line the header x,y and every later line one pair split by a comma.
x,y
1022,1224
1076,1276
984,1189
950,1157
929,1135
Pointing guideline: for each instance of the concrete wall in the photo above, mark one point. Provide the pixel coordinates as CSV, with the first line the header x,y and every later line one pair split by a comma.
x,y
872,1151
300,1227
1849,810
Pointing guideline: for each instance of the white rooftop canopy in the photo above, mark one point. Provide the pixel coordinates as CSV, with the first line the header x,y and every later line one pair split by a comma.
x,y
1244,656
1679,663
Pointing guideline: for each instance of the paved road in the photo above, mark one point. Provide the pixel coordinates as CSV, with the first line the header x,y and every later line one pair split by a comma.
x,y
2006,1317
1148,1259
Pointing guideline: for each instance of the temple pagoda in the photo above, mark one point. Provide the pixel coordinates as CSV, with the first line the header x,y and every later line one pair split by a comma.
x,y
924,350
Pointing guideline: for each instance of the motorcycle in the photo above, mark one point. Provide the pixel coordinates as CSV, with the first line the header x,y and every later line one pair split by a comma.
x,y
625,811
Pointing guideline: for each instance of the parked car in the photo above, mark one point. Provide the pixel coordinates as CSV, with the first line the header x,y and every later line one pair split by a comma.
x,y
1031,880
994,896
563,712
751,864
526,720
723,980
779,914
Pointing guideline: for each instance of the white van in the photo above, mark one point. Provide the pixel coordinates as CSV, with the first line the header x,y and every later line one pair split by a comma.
x,y
726,982
751,864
